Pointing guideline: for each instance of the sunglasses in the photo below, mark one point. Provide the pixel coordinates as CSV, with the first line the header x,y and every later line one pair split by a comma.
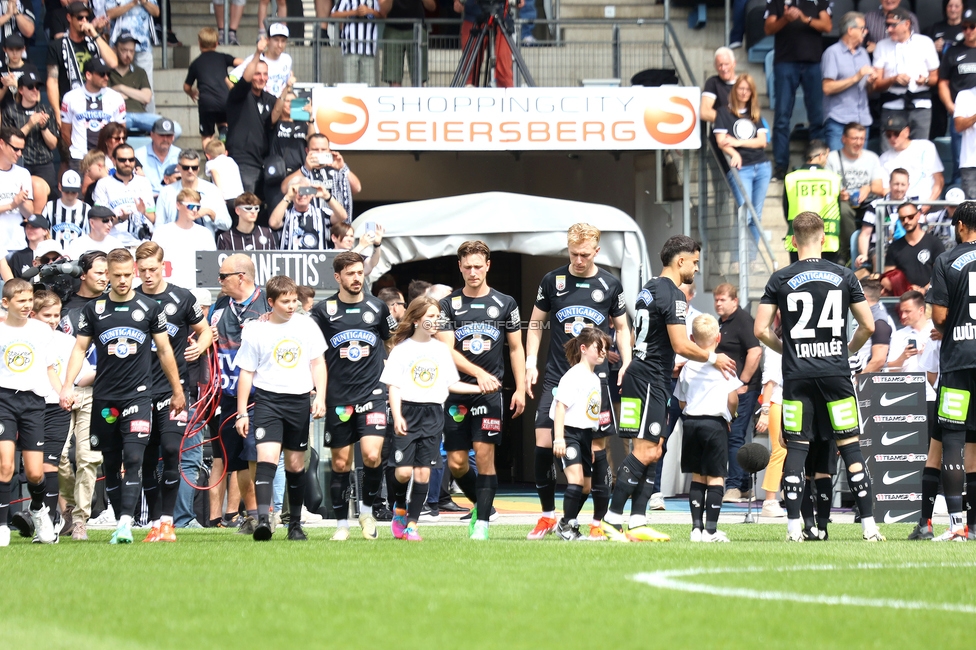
x,y
891,135
192,207
17,149
968,27
188,168
84,17
907,217
224,276
28,87
117,138
101,74
892,25
47,259
249,208
125,160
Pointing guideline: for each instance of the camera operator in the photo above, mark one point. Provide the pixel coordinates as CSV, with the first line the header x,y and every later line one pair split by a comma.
x,y
36,230
324,165
306,225
476,14
47,252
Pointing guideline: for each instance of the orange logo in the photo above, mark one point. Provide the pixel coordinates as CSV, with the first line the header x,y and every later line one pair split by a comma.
x,y
342,119
671,123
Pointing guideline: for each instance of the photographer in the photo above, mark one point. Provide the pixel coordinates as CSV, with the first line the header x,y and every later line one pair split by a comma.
x,y
306,226
36,230
325,165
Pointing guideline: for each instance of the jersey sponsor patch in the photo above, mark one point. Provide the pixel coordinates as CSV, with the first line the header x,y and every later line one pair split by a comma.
x,y
604,418
560,282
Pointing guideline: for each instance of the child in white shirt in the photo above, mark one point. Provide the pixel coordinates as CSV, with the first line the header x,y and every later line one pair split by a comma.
x,y
224,172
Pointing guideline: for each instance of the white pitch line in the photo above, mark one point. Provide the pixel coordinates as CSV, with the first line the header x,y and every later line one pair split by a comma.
x,y
673,580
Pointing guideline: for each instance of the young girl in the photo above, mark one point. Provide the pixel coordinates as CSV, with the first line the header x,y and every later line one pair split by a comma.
x,y
420,373
575,413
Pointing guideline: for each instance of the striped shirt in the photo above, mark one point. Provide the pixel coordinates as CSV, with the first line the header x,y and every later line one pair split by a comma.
x,y
67,224
337,182
259,239
309,230
10,27
358,37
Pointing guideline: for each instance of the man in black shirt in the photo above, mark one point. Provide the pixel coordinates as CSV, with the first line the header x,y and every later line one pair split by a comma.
x,y
952,315
958,72
183,317
572,297
476,317
354,325
660,332
799,29
36,229
819,403
251,112
715,94
120,325
915,253
741,345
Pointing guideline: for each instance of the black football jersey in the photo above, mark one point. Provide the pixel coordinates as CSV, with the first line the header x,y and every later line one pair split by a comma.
x,y
229,317
480,326
354,333
574,303
122,334
954,287
660,303
814,297
181,311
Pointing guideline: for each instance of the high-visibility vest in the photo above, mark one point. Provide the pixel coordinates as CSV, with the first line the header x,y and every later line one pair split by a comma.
x,y
814,189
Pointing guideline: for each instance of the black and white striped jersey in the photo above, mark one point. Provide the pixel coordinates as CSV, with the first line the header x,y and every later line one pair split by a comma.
x,y
67,224
358,37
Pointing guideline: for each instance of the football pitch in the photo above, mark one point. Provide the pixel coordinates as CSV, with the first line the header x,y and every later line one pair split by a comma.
x,y
216,589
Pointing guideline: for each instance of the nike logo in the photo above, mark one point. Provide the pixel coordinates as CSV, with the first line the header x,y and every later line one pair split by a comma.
x,y
714,507
887,479
458,313
492,433
884,401
890,440
334,318
303,445
104,316
561,293
142,435
260,482
40,444
631,482
864,383
960,58
888,519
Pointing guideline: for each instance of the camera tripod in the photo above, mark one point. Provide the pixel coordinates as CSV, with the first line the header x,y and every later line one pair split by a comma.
x,y
478,56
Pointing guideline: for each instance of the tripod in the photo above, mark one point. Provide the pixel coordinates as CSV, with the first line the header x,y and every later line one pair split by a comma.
x,y
480,51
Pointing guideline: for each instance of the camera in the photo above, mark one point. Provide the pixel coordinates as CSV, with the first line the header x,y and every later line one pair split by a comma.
x,y
58,276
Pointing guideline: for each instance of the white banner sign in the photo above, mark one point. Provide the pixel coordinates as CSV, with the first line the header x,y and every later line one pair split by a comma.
x,y
359,118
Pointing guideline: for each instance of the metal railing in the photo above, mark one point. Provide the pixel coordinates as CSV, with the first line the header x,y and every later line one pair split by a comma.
x,y
941,228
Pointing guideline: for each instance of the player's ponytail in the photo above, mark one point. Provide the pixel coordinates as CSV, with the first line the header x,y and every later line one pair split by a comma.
x,y
586,337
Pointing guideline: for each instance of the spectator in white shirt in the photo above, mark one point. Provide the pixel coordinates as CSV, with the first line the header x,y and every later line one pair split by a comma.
x,y
213,211
279,63
919,157
964,119
100,220
182,239
223,170
129,196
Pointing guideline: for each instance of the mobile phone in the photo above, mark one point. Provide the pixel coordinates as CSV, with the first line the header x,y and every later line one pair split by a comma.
x,y
371,227
912,343
308,190
299,110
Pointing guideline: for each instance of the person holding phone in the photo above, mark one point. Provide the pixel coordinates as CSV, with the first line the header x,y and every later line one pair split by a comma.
x,y
324,165
306,226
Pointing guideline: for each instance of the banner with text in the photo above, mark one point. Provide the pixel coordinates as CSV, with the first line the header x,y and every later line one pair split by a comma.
x,y
309,268
359,118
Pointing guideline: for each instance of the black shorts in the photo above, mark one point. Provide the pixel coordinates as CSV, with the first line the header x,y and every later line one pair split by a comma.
x,y
644,407
421,447
608,425
822,457
57,425
281,418
473,418
820,408
579,449
705,446
953,410
115,421
233,450
345,424
164,423
209,121
22,418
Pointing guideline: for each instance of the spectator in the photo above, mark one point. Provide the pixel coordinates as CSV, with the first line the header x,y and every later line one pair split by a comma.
x,y
100,220
876,22
251,112
68,55
93,169
915,253
417,288
740,343
160,154
398,39
394,302
799,33
306,298
847,78
741,134
68,214
85,110
273,54
358,39
330,168
945,34
288,147
812,188
36,121
475,14
135,84
213,210
872,358
129,196
282,6
956,73
369,243
224,172
16,189
12,67
304,225
36,230
964,122
236,13
717,87
898,191
862,177
919,157
940,223
183,238
528,12
906,67
209,72
16,20
246,235
909,342
112,135
134,19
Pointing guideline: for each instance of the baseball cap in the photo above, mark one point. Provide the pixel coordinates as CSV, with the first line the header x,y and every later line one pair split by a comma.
x,y
955,196
70,181
126,37
76,8
37,221
96,65
163,126
28,80
896,122
170,170
900,14
203,296
969,17
47,247
278,29
100,212
14,42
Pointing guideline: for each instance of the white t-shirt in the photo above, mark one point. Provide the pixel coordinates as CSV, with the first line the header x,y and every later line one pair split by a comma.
x,y
210,197
579,390
121,198
898,343
27,354
180,248
921,160
230,176
281,355
423,372
772,371
12,182
85,243
62,344
915,57
279,71
87,114
966,107
704,390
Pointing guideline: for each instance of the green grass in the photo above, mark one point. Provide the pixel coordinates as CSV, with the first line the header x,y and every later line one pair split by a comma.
x,y
216,589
